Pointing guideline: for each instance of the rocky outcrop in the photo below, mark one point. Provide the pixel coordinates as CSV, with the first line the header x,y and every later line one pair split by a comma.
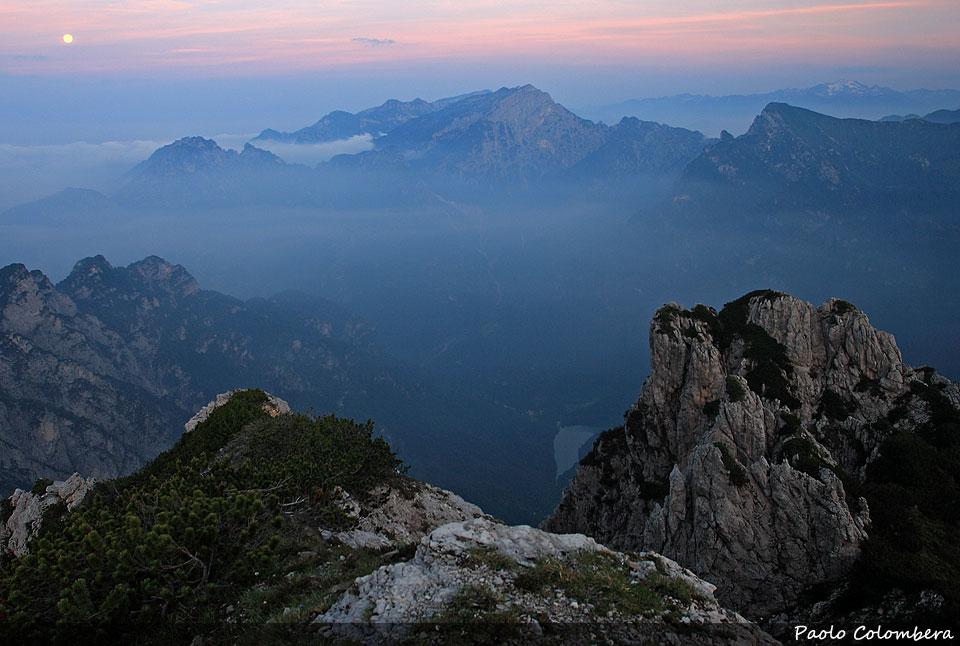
x,y
400,516
734,457
480,573
29,510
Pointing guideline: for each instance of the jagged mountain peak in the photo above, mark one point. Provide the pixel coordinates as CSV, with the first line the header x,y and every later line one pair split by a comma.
x,y
186,155
173,279
96,277
89,275
196,155
519,132
776,116
197,142
13,272
91,265
250,151
17,278
526,92
744,453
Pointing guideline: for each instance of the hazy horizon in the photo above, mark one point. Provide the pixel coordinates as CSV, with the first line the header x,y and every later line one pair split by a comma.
x,y
169,68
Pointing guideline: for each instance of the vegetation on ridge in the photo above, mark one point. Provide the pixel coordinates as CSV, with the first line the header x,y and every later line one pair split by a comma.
x,y
190,532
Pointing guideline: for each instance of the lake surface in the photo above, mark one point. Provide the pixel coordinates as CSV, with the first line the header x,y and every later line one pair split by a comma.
x,y
567,443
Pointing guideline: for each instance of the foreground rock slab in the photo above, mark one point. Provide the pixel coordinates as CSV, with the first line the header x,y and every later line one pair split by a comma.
x,y
479,578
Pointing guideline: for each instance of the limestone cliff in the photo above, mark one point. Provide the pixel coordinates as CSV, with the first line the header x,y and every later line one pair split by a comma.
x,y
734,459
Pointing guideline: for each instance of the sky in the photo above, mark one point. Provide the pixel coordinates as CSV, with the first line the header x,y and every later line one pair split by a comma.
x,y
142,69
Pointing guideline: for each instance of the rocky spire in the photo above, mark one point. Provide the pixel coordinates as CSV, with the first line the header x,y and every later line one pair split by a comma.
x,y
733,461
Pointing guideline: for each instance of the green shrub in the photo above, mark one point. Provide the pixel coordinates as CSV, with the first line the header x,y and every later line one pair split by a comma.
x,y
869,385
315,454
791,424
833,406
769,358
913,490
610,442
691,332
735,391
712,408
732,319
802,456
842,307
471,603
943,429
490,557
767,380
653,490
40,486
707,315
665,317
472,617
738,475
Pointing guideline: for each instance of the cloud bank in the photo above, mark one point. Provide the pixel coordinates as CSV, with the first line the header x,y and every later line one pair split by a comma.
x,y
313,154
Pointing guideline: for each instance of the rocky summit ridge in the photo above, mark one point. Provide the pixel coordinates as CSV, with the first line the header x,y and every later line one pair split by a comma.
x,y
746,452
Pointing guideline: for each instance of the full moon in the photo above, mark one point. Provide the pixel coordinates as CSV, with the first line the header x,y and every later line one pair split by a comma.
x,y
67,38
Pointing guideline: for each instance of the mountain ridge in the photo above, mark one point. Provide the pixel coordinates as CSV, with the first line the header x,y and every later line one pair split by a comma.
x,y
711,114
339,124
794,163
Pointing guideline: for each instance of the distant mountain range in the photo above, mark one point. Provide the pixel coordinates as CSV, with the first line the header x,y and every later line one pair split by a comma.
x,y
197,171
372,121
798,168
485,144
711,114
99,373
938,116
516,133
514,138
